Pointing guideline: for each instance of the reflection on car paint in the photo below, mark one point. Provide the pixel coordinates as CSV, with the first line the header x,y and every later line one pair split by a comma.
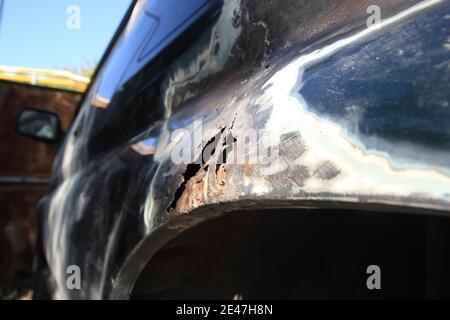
x,y
146,147
264,71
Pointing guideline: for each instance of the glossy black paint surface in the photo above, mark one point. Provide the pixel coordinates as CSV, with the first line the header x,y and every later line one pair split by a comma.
x,y
363,117
393,87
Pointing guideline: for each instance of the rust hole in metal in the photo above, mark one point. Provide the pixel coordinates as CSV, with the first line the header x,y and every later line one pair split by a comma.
x,y
211,146
191,170
228,147
194,168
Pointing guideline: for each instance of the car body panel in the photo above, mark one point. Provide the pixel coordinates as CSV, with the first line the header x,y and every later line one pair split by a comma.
x,y
330,96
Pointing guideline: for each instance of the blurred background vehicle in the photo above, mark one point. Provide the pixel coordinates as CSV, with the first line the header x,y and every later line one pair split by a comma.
x,y
25,165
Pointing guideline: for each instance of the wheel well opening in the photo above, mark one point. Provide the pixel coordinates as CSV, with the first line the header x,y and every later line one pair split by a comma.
x,y
302,254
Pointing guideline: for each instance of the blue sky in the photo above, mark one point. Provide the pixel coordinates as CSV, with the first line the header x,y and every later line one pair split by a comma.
x,y
34,33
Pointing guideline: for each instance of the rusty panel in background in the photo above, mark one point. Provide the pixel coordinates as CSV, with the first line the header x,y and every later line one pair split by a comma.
x,y
25,165
19,155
